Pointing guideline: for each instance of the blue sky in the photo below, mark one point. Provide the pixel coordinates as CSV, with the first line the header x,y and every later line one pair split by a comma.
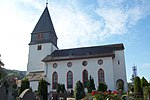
x,y
79,23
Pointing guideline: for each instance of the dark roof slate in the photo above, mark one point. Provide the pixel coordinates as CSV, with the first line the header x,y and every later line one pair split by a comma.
x,y
85,52
44,24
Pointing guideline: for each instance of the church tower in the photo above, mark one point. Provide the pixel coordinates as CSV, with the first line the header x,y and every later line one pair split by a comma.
x,y
43,42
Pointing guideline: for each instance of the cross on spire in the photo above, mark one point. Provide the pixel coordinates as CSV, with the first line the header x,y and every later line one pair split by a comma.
x,y
46,3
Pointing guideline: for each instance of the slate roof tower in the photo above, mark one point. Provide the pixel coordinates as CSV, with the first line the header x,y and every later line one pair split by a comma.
x,y
43,42
45,28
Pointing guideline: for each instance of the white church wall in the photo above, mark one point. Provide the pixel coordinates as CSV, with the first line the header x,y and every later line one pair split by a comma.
x,y
119,67
77,68
34,85
36,56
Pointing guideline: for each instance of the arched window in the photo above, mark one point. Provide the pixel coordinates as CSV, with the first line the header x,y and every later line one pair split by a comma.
x,y
69,79
120,84
85,77
54,80
101,77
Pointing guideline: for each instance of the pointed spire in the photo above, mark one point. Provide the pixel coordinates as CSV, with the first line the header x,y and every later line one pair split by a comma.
x,y
44,26
45,23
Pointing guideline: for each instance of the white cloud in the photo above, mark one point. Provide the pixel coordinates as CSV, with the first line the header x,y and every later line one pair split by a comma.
x,y
74,28
118,15
114,19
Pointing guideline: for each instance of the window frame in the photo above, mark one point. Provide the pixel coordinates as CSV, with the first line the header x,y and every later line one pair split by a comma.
x,y
84,77
54,82
39,47
69,86
101,76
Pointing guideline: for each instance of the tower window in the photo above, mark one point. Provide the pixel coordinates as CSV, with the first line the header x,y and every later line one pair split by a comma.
x,y
40,36
118,62
39,47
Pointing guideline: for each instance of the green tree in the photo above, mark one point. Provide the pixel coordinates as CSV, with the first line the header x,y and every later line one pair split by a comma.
x,y
144,82
42,89
79,91
62,88
102,87
130,87
58,88
90,85
24,85
2,75
137,86
147,93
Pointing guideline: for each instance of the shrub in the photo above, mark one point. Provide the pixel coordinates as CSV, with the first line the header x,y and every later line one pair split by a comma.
x,y
79,91
63,88
24,85
147,92
137,86
144,82
102,87
60,88
42,89
90,85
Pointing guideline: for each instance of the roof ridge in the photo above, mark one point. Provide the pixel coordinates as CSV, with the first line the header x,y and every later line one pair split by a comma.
x,y
109,45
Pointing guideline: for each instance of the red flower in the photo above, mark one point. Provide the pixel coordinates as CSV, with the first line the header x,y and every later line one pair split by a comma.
x,y
105,92
115,92
93,92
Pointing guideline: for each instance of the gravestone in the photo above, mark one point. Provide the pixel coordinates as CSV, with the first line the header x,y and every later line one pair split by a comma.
x,y
27,94
2,92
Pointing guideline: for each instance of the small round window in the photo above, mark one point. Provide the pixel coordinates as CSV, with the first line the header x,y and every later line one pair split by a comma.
x,y
69,64
55,65
100,62
84,63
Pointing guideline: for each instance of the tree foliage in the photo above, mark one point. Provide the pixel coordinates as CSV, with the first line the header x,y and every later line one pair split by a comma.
x,y
102,87
42,89
60,88
137,86
24,85
147,92
144,82
90,85
2,75
79,91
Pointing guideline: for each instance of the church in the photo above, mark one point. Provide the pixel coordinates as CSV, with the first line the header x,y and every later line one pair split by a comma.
x,y
105,63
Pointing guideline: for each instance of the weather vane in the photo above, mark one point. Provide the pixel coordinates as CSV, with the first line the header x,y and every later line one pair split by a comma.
x,y
46,3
